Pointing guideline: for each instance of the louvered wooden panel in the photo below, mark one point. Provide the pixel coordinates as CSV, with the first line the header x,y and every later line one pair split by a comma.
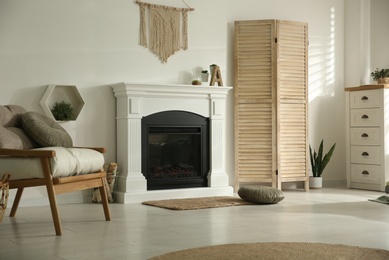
x,y
292,59
254,131
292,142
270,101
292,68
254,102
253,59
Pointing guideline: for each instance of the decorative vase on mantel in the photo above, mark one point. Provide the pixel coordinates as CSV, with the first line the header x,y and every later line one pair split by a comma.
x,y
204,76
383,81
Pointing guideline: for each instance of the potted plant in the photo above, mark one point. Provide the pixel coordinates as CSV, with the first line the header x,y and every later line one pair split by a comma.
x,y
381,76
318,163
63,111
204,75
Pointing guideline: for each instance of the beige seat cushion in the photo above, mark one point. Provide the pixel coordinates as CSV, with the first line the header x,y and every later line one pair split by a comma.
x,y
67,162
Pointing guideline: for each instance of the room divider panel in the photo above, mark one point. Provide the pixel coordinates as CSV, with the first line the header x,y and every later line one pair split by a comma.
x,y
270,88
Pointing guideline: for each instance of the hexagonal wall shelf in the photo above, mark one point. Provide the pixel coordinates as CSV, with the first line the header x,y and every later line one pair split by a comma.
x,y
58,93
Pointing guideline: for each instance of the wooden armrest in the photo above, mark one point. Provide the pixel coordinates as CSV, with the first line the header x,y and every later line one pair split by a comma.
x,y
27,153
99,149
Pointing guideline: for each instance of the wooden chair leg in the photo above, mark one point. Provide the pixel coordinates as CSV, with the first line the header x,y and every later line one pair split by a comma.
x,y
54,209
51,194
15,205
104,200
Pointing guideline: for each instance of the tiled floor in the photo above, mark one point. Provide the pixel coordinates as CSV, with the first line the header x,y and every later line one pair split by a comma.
x,y
336,216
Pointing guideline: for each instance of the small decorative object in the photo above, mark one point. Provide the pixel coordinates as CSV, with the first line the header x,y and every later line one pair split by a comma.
x,y
381,76
216,76
62,111
4,189
318,163
196,82
204,75
211,67
111,170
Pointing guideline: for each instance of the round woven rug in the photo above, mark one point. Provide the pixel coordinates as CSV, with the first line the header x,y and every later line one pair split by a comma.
x,y
276,250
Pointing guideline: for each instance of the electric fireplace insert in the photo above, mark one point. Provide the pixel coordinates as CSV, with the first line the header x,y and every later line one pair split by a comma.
x,y
175,150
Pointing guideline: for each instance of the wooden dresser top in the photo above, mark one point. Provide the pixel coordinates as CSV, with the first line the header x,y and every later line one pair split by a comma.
x,y
367,87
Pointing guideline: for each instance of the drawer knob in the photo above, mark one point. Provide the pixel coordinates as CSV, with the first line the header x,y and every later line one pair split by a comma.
x,y
364,135
364,98
365,154
365,117
365,173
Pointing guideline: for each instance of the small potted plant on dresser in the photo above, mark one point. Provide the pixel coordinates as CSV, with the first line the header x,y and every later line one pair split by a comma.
x,y
318,163
381,76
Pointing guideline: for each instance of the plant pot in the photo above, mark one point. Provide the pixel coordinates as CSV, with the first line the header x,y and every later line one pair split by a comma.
x,y
204,77
315,182
383,81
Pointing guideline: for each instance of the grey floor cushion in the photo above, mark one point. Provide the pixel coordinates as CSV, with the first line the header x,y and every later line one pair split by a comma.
x,y
261,194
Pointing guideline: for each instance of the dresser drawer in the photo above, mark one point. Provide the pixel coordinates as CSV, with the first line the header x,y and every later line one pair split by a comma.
x,y
365,99
365,154
365,136
365,173
365,117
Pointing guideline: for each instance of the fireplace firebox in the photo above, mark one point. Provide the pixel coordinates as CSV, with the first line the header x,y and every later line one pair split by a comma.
x,y
175,150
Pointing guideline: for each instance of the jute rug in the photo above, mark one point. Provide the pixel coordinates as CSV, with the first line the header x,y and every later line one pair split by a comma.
x,y
198,203
277,251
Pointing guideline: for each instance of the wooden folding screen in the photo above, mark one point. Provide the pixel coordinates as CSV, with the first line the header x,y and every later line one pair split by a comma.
x,y
271,102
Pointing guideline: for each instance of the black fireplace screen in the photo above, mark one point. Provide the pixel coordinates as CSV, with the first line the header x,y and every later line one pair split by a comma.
x,y
174,155
175,150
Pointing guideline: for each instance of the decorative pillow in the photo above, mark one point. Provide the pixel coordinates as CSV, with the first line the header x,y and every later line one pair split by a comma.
x,y
15,138
12,135
261,194
45,131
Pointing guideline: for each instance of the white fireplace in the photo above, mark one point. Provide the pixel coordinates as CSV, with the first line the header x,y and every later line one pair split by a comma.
x,y
135,101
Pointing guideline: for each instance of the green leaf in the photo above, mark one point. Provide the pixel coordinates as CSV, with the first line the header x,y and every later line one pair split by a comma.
x,y
311,156
327,158
318,162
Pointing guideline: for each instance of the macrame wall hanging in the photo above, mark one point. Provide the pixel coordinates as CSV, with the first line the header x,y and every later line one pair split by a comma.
x,y
164,28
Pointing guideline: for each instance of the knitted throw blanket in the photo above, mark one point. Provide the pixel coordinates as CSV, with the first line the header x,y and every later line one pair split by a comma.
x,y
164,23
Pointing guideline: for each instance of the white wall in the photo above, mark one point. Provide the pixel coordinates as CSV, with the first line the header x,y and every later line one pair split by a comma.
x,y
93,43
379,34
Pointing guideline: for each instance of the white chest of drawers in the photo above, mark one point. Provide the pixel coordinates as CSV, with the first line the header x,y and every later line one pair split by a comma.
x,y
367,137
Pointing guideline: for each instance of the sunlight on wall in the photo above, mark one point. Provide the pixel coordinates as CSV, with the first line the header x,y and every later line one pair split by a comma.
x,y
321,69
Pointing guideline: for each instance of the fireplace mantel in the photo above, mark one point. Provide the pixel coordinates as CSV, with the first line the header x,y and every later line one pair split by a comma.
x,y
134,101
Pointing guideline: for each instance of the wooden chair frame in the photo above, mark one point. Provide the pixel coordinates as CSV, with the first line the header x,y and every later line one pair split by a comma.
x,y
56,185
